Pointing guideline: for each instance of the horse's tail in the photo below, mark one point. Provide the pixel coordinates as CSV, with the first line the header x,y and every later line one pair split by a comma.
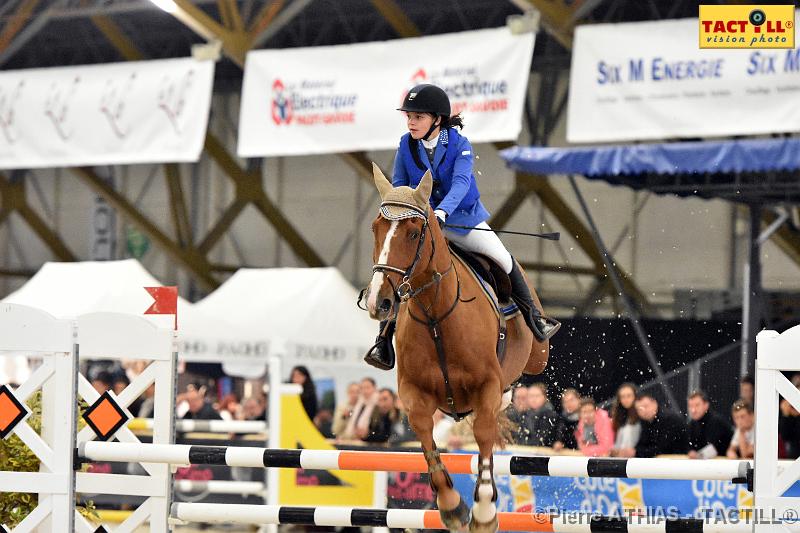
x,y
505,430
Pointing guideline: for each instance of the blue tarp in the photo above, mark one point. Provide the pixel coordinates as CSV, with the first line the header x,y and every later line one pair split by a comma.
x,y
702,157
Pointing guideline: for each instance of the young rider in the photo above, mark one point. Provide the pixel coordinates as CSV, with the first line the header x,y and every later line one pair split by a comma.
x,y
433,143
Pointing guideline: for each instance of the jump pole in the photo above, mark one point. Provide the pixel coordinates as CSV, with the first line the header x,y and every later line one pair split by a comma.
x,y
456,463
419,519
205,426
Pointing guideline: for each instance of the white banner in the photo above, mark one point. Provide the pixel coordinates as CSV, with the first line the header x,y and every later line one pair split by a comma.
x,y
120,113
329,99
650,80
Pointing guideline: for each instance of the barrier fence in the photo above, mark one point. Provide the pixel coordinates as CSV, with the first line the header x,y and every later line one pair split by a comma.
x,y
419,519
456,463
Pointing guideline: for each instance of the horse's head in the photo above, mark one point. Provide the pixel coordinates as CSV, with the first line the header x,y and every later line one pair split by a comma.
x,y
400,231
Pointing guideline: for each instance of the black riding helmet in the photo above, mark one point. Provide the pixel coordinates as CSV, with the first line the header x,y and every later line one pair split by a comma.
x,y
427,98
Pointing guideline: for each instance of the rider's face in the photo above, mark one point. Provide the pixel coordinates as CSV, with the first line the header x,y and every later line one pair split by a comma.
x,y
419,123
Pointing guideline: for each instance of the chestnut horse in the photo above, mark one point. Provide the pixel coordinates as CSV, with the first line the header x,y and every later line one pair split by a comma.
x,y
433,297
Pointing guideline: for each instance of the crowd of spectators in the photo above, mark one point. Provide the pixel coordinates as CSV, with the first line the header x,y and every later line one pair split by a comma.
x,y
638,425
634,424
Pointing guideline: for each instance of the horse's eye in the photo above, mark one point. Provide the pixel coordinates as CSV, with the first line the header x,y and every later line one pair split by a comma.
x,y
413,235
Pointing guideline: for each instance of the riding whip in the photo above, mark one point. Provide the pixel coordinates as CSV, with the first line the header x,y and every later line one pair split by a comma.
x,y
548,236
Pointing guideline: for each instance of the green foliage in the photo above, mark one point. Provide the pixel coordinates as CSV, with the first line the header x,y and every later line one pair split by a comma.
x,y
15,456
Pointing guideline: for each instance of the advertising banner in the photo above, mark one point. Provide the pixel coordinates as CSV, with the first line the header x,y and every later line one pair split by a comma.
x,y
119,113
651,80
329,99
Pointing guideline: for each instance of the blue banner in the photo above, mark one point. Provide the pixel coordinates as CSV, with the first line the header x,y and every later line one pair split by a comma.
x,y
617,497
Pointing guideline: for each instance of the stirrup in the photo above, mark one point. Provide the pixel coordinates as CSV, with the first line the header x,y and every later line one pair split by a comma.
x,y
381,355
551,327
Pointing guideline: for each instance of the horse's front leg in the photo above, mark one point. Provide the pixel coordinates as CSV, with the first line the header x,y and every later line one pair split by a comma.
x,y
484,511
452,509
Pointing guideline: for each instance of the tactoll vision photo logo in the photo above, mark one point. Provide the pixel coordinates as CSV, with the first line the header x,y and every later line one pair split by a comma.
x,y
746,26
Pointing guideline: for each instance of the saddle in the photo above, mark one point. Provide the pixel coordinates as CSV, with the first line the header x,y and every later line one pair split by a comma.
x,y
491,276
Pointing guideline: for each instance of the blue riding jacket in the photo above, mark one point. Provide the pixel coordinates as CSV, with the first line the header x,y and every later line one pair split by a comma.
x,y
454,188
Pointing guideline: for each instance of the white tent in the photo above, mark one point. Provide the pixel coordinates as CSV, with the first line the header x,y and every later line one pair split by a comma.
x,y
67,290
312,309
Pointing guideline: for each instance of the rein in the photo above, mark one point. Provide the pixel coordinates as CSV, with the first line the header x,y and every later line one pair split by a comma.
x,y
405,292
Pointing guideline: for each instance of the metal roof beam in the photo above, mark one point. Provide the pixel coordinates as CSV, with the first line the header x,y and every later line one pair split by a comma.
x,y
188,258
250,188
234,43
16,22
12,199
281,20
115,35
266,16
559,17
396,18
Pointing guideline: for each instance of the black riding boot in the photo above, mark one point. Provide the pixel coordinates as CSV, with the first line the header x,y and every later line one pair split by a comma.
x,y
381,355
542,327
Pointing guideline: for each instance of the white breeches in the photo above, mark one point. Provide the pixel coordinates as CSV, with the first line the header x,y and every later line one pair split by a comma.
x,y
486,243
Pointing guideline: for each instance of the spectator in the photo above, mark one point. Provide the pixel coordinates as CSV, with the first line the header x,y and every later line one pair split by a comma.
x,y
120,381
401,429
663,432
594,435
568,423
461,434
381,420
541,420
301,376
747,389
324,422
199,408
147,406
709,433
102,382
624,420
743,441
789,429
229,407
367,400
516,413
442,424
519,404
254,408
345,410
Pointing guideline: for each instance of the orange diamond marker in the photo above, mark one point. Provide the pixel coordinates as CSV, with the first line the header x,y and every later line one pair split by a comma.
x,y
105,417
12,412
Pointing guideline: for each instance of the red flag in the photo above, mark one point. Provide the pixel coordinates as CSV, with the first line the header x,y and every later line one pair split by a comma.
x,y
166,302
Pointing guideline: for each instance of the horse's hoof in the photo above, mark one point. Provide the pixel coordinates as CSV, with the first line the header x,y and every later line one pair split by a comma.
x,y
457,518
483,527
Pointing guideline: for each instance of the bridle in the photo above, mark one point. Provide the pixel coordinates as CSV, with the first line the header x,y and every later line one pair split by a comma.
x,y
404,291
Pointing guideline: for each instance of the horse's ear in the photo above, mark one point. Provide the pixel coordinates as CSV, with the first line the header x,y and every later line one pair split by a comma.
x,y
423,191
383,185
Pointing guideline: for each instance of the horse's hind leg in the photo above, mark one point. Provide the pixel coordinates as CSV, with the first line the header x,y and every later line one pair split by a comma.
x,y
454,512
484,511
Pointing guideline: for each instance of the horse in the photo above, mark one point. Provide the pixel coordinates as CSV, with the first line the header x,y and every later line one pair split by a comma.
x,y
446,341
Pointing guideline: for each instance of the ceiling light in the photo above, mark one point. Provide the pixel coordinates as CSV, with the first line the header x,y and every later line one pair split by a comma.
x,y
167,5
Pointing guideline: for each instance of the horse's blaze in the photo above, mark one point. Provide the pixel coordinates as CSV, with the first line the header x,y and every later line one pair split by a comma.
x,y
378,276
